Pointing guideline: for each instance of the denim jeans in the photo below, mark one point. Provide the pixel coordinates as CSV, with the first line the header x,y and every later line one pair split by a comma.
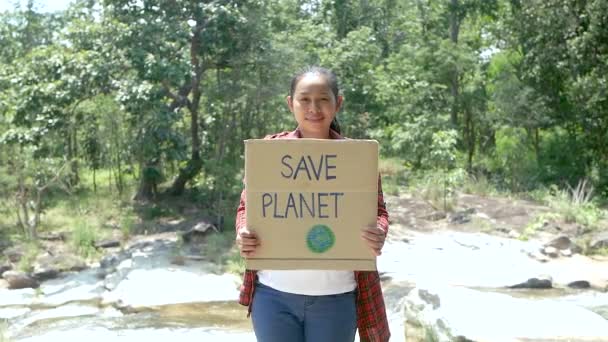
x,y
284,317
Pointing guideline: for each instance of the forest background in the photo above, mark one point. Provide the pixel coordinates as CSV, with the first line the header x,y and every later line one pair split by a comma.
x,y
117,114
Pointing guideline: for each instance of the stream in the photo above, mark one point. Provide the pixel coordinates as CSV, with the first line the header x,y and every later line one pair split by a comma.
x,y
447,284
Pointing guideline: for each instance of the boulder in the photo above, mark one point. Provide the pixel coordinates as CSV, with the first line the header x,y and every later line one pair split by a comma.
x,y
4,268
14,254
20,280
543,282
599,240
198,232
579,284
550,251
107,244
461,217
45,274
52,236
562,243
450,313
55,264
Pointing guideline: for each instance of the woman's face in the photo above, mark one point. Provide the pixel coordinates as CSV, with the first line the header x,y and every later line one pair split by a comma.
x,y
314,106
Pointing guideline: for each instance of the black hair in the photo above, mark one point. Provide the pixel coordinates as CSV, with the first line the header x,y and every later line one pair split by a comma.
x,y
332,81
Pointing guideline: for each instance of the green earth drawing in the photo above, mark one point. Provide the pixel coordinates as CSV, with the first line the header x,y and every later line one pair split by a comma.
x,y
320,238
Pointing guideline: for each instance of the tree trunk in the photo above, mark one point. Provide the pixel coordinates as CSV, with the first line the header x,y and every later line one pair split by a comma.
x,y
147,186
470,139
33,228
72,155
454,78
195,164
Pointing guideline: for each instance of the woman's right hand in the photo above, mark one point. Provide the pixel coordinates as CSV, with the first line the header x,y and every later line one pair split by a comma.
x,y
247,241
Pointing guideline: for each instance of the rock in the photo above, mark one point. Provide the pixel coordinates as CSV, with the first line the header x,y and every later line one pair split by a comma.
x,y
14,254
113,260
198,232
550,251
4,268
46,274
60,263
562,242
537,255
20,280
579,284
599,241
107,244
503,230
52,236
498,317
461,217
514,234
3,284
435,216
566,252
535,283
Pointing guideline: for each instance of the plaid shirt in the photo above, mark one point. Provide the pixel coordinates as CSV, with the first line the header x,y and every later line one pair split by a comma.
x,y
371,312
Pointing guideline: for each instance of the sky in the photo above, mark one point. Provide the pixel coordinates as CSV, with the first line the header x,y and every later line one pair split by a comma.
x,y
41,5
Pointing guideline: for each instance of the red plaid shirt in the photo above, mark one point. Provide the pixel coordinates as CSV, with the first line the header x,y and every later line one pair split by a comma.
x,y
371,312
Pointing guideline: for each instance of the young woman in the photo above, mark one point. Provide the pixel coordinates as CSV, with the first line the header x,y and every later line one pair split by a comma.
x,y
314,305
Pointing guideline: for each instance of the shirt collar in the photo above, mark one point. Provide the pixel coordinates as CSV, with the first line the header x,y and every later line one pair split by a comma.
x,y
297,134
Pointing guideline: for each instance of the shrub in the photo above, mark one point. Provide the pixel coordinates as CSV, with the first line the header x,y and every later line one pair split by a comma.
x,y
83,238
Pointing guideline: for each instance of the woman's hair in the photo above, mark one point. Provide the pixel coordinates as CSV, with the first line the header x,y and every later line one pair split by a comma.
x,y
332,82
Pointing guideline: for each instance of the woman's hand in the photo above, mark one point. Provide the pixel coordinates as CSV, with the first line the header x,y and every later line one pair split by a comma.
x,y
374,237
247,241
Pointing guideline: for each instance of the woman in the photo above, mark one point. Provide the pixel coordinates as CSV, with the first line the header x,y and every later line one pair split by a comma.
x,y
314,305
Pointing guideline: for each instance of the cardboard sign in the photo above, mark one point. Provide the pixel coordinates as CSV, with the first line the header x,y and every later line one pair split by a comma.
x,y
308,201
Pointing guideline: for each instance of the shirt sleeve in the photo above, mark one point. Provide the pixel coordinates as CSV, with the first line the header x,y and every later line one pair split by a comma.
x,y
241,218
382,220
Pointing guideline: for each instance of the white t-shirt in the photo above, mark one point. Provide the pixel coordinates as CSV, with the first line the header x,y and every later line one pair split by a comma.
x,y
309,282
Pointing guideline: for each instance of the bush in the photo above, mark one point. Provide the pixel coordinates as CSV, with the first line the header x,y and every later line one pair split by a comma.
x,y
439,187
26,263
560,158
83,238
514,160
573,206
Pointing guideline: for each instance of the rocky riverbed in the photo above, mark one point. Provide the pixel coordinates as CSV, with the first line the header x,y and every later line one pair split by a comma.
x,y
444,279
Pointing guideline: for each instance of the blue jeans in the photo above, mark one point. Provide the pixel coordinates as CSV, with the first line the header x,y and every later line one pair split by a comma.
x,y
284,317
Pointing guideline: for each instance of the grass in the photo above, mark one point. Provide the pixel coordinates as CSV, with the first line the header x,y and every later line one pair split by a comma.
x,y
438,188
574,205
87,216
26,263
536,224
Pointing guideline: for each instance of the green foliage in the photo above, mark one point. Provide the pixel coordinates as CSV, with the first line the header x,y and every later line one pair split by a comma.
x,y
513,159
585,213
536,224
394,175
83,237
127,224
26,263
562,158
145,93
440,187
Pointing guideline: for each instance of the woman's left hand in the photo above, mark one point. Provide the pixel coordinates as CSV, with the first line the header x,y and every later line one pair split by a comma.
x,y
374,238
